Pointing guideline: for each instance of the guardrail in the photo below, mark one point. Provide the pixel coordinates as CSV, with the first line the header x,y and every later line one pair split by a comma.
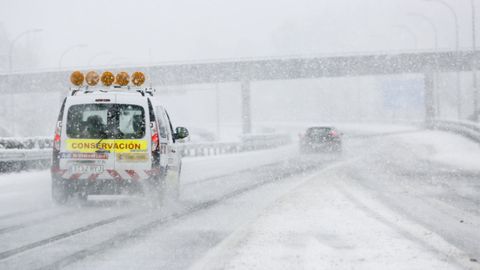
x,y
18,154
468,129
250,142
26,143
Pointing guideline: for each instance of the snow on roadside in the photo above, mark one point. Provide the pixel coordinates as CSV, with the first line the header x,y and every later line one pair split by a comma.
x,y
198,168
446,148
318,227
367,129
24,190
360,128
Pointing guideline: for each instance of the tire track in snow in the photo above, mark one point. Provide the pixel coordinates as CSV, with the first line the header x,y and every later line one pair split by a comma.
x,y
120,239
33,222
409,228
19,213
46,241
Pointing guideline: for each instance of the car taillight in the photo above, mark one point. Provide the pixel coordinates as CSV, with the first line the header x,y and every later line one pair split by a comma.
x,y
57,137
333,133
155,139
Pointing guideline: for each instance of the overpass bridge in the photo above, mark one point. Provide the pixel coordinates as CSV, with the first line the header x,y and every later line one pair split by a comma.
x,y
245,71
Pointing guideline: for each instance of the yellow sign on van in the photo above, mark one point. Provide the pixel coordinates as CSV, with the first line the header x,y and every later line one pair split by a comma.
x,y
118,146
132,157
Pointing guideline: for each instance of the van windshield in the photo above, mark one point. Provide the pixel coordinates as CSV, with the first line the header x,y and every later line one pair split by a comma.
x,y
108,121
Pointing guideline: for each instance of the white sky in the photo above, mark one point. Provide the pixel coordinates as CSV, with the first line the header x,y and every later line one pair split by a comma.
x,y
182,30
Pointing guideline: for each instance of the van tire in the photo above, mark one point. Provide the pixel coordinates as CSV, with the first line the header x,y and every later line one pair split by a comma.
x,y
165,193
60,194
161,188
174,192
83,195
155,190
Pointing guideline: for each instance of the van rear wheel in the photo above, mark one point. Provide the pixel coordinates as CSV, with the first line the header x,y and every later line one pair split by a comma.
x,y
60,192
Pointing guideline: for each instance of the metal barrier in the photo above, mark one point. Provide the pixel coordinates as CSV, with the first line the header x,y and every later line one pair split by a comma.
x,y
250,142
26,143
18,154
468,129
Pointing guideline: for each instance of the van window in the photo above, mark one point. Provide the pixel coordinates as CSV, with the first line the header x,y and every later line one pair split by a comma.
x,y
162,127
113,121
170,125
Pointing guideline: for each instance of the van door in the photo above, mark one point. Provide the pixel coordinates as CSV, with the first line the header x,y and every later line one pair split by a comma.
x,y
173,153
86,141
164,137
133,159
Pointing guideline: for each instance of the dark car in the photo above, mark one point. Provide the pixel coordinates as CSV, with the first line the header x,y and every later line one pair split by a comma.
x,y
321,139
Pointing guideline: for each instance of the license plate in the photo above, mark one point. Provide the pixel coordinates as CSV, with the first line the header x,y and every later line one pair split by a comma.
x,y
86,168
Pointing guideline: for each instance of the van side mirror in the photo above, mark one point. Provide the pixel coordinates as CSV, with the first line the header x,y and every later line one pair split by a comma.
x,y
181,133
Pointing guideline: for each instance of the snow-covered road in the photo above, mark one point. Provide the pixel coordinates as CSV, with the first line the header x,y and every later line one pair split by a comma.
x,y
407,200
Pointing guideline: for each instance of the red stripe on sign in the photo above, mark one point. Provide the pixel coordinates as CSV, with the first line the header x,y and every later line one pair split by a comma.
x,y
133,175
152,172
93,177
114,174
75,176
59,172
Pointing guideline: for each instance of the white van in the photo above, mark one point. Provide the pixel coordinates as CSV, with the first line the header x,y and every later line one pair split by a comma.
x,y
113,140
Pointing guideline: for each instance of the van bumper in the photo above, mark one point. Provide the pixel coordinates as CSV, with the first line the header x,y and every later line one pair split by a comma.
x,y
107,183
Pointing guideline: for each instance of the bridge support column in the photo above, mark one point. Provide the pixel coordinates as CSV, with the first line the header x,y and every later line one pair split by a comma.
x,y
246,108
429,78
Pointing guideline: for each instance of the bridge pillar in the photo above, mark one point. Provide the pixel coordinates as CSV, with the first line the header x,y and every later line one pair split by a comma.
x,y
429,78
246,107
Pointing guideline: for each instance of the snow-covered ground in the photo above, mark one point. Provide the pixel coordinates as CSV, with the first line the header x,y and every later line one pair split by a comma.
x,y
198,168
405,200
449,149
323,224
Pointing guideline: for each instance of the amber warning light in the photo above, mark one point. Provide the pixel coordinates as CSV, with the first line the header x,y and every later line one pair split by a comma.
x,y
92,78
77,78
107,78
122,79
138,78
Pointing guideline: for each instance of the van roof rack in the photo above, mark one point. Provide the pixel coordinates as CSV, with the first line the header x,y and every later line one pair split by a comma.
x,y
116,88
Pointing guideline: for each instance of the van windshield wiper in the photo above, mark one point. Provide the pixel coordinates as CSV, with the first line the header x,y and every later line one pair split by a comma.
x,y
103,137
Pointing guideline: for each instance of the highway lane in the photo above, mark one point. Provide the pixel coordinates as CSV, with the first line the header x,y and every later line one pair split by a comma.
x,y
40,234
385,204
424,212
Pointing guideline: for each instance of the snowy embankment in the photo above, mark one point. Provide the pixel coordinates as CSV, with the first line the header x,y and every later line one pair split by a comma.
x,y
198,168
348,129
446,148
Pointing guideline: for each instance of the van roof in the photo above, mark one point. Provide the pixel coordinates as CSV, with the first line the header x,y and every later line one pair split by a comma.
x,y
86,90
